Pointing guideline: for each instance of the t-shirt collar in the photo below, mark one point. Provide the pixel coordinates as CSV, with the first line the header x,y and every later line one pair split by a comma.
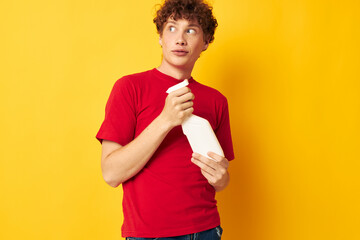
x,y
169,78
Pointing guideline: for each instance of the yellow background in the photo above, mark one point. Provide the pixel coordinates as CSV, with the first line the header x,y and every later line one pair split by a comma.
x,y
290,70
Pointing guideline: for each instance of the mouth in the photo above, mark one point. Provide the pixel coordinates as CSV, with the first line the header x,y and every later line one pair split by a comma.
x,y
180,52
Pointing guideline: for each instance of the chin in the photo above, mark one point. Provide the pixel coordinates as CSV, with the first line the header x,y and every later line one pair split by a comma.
x,y
182,64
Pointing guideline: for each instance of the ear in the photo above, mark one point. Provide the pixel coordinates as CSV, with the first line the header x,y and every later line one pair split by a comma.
x,y
206,45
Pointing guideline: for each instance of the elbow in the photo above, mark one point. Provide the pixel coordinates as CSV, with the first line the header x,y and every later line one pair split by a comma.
x,y
113,184
111,180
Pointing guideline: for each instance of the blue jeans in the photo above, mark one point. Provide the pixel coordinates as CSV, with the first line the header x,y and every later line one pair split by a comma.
x,y
211,234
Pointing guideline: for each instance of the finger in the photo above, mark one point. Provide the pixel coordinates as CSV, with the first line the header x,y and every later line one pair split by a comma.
x,y
203,166
208,177
220,159
187,105
180,92
176,100
205,160
188,111
215,156
185,97
219,167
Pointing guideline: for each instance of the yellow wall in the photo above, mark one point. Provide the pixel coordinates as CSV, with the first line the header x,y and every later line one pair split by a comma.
x,y
291,72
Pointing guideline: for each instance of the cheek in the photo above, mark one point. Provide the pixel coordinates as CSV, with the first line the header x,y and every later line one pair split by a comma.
x,y
199,47
166,41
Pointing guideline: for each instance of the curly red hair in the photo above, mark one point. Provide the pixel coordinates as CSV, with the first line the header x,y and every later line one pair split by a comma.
x,y
189,10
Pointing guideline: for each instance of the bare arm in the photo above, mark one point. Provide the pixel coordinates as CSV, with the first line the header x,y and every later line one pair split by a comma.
x,y
120,163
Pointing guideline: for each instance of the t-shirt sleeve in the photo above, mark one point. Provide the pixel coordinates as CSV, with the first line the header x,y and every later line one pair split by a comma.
x,y
120,114
223,132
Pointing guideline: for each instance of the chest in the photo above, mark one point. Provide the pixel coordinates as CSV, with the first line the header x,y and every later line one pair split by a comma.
x,y
151,100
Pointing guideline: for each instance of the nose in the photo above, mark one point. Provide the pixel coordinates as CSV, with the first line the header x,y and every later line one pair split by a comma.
x,y
181,40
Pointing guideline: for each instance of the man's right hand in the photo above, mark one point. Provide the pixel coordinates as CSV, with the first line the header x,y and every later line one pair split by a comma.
x,y
178,106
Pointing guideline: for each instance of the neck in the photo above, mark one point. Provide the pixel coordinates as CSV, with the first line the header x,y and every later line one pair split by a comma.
x,y
175,72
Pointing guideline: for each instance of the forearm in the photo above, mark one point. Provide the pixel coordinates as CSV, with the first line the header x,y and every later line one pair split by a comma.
x,y
125,162
120,163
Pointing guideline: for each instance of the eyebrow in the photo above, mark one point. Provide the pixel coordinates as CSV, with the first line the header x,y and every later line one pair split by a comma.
x,y
190,25
171,21
194,25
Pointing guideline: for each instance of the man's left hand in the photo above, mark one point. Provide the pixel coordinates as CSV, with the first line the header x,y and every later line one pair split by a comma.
x,y
214,170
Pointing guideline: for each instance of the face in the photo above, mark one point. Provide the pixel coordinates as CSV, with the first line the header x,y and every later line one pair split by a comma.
x,y
182,42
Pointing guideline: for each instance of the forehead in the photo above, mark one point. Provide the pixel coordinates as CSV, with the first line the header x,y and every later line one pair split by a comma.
x,y
183,21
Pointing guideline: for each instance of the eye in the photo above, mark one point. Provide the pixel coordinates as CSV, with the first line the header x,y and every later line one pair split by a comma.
x,y
171,29
191,31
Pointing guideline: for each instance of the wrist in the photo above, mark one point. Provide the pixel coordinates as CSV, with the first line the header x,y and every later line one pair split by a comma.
x,y
162,124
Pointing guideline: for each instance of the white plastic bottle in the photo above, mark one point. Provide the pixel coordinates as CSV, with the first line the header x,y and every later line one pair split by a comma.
x,y
198,131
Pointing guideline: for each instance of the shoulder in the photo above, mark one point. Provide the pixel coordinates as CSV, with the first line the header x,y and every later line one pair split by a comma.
x,y
131,80
135,77
211,93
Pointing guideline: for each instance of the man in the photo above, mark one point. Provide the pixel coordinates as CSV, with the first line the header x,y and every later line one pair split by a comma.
x,y
169,192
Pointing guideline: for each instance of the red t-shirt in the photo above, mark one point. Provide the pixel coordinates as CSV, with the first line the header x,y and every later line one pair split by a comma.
x,y
169,196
